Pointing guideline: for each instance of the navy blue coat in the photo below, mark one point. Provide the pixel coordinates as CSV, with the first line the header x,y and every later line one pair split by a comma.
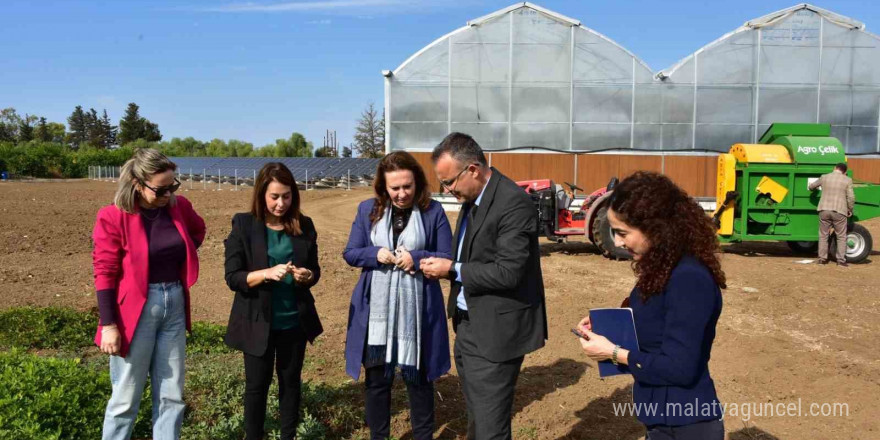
x,y
360,252
676,329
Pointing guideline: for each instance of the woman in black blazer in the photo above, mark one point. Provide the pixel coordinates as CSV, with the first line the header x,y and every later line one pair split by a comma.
x,y
271,262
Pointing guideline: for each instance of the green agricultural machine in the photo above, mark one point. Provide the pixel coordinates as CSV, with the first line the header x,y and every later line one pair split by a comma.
x,y
762,190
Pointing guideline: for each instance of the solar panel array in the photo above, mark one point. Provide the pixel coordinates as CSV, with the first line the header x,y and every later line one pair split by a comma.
x,y
244,167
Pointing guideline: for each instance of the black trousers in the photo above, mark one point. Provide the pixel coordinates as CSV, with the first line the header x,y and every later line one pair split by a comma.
x,y
378,401
711,430
285,352
488,387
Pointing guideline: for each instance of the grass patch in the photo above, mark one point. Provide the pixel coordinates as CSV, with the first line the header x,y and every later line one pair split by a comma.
x,y
59,328
51,398
64,395
47,328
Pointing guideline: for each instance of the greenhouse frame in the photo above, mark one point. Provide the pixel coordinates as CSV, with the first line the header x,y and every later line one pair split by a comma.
x,y
527,78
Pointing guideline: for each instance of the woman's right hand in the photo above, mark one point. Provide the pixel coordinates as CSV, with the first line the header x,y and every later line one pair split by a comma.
x,y
385,256
584,326
111,340
276,273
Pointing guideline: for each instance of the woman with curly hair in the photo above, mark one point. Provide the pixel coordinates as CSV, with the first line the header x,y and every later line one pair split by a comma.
x,y
676,304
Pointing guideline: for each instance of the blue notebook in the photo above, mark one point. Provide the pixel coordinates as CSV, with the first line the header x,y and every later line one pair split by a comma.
x,y
619,327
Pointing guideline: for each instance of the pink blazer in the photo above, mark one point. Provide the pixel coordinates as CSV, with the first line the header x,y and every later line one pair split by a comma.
x,y
121,261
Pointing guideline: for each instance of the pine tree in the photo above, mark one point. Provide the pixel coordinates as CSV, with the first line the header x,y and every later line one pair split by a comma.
x,y
109,130
369,138
25,129
131,126
94,130
78,130
42,133
150,131
346,152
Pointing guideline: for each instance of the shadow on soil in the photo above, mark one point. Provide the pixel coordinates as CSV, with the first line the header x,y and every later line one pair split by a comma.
x,y
570,248
534,384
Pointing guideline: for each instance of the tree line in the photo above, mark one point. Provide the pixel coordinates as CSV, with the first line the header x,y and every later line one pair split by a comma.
x,y
32,146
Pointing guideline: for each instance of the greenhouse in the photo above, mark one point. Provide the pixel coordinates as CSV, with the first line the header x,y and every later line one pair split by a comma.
x,y
525,77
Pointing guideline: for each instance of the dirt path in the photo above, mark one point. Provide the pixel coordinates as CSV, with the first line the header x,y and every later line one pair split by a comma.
x,y
789,332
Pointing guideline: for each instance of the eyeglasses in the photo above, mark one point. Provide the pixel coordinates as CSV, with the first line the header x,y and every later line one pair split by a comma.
x,y
449,185
162,190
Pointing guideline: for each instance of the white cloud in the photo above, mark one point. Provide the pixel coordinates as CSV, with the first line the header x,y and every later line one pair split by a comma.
x,y
321,22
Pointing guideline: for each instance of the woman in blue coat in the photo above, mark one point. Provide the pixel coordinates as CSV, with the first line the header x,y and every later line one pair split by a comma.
x,y
675,304
397,320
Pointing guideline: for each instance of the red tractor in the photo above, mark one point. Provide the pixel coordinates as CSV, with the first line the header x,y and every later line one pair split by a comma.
x,y
556,219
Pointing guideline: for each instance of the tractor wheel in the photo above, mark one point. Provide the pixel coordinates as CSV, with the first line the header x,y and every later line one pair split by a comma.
x,y
803,247
858,243
604,238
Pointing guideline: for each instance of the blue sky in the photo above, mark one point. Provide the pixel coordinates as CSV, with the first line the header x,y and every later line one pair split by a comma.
x,y
259,70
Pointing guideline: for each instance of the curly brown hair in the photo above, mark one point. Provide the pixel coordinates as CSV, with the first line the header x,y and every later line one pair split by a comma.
x,y
396,161
674,224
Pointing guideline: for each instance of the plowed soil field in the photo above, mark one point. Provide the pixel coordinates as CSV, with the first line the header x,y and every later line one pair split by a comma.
x,y
793,336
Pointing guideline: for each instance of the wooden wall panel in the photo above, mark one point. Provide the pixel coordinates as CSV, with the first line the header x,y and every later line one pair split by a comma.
x,y
425,161
530,166
514,165
865,169
630,164
694,174
558,167
595,170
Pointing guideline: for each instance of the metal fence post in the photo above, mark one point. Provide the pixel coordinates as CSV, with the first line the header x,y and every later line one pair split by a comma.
x,y
307,179
219,180
204,179
236,179
349,180
190,178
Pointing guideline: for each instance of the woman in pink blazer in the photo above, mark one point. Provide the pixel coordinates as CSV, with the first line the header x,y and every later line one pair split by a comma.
x,y
145,261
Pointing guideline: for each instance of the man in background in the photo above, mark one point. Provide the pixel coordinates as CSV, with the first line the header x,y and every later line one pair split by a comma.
x,y
835,207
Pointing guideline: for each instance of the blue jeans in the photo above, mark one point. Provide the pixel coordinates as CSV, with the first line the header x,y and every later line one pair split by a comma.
x,y
158,348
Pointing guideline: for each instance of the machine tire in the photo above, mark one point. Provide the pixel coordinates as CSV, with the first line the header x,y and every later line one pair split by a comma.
x,y
803,247
604,239
862,243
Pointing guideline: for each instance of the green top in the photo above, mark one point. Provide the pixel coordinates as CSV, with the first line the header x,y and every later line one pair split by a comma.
x,y
284,309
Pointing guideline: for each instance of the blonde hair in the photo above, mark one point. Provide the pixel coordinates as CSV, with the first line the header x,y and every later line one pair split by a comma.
x,y
143,165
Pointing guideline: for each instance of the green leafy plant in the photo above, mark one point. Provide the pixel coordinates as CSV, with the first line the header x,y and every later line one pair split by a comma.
x,y
47,327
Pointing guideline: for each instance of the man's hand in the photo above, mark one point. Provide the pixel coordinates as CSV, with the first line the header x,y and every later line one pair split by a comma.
x,y
436,268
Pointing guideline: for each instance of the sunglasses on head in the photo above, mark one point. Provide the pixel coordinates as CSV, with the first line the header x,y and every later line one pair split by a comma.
x,y
162,190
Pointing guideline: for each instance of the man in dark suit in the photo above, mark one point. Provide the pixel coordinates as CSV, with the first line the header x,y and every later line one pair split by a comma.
x,y
497,296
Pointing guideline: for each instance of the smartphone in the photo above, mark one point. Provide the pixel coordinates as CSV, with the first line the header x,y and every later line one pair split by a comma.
x,y
579,334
